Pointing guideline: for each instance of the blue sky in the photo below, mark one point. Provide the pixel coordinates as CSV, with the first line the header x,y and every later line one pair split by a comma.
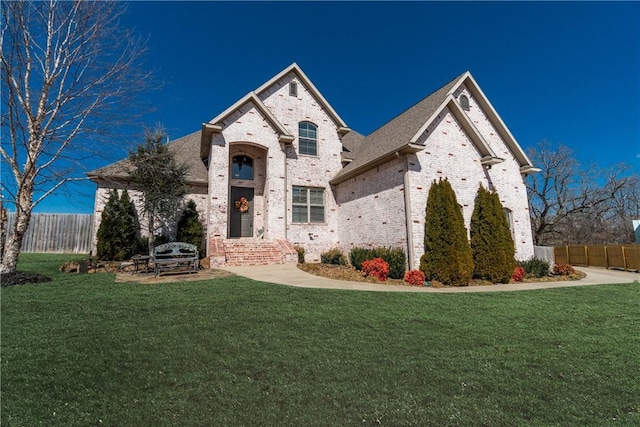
x,y
568,72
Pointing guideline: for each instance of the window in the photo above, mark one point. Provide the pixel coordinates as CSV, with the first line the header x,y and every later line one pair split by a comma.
x,y
464,102
308,205
307,139
242,168
293,89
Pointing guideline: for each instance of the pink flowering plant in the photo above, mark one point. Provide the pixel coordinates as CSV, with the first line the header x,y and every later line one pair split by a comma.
x,y
376,267
414,278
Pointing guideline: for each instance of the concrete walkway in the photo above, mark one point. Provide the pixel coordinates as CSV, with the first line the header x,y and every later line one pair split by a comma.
x,y
291,275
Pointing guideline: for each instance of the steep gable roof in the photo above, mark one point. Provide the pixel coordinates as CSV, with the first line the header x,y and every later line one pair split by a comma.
x,y
214,125
184,149
401,134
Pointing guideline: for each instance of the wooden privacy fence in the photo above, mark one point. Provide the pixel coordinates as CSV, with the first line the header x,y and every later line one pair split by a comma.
x,y
57,233
618,256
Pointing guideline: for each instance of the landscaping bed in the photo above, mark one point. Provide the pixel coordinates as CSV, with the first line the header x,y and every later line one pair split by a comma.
x,y
347,272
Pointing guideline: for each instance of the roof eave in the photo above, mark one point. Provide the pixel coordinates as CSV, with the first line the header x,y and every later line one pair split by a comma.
x,y
408,148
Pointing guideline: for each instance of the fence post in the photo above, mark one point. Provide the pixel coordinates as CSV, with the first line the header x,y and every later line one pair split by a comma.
x,y
606,257
566,251
586,255
624,258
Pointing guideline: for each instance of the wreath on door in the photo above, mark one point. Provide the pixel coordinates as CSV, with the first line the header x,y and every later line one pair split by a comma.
x,y
242,205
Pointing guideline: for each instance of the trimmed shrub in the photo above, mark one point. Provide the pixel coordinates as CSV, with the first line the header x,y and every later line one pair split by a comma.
x,y
300,251
563,269
395,257
414,278
376,267
358,255
190,229
447,255
491,242
518,274
119,228
333,256
535,267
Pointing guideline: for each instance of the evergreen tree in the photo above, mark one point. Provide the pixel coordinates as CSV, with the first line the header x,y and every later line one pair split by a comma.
x,y
491,242
106,242
160,179
447,255
190,229
129,223
118,228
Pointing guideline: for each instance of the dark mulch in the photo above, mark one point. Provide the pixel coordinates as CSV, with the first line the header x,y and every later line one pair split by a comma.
x,y
22,278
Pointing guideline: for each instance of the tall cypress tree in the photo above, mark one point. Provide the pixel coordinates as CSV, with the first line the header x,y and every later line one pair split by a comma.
x,y
491,242
106,245
447,255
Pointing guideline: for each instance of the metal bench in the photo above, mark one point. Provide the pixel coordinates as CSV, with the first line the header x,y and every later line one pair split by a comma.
x,y
175,257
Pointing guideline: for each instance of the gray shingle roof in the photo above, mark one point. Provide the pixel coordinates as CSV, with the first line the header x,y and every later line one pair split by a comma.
x,y
397,132
186,150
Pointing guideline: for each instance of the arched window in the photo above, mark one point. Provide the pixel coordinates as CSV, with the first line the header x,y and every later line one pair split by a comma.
x,y
307,138
464,102
242,167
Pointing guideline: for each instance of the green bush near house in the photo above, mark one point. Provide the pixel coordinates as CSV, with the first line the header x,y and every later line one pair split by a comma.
x,y
447,255
535,267
119,228
333,256
491,242
395,257
190,229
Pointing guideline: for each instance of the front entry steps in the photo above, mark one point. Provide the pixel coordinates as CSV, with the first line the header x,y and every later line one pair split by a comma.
x,y
240,252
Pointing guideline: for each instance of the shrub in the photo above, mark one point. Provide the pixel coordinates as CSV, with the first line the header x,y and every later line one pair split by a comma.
x,y
358,255
119,228
333,256
376,267
535,267
447,255
300,251
563,269
395,257
414,278
190,229
491,242
518,274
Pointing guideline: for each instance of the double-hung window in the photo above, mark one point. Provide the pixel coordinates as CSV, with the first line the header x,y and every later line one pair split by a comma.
x,y
308,205
308,138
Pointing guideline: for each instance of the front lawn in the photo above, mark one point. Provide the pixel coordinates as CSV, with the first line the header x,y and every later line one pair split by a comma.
x,y
83,350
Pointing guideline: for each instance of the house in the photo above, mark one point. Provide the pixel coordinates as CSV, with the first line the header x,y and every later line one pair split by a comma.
x,y
311,181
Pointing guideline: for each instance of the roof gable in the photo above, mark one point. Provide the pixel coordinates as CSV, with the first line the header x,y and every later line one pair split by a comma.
x,y
402,133
214,125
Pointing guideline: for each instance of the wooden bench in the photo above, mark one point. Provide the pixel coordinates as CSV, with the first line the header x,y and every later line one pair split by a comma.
x,y
175,257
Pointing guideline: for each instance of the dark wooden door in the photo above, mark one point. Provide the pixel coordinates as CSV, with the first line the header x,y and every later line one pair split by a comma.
x,y
241,223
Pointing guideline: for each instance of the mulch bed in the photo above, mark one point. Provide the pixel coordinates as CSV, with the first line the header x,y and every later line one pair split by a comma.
x,y
21,278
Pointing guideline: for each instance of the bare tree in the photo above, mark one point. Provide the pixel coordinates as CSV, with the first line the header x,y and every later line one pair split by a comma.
x,y
67,68
571,205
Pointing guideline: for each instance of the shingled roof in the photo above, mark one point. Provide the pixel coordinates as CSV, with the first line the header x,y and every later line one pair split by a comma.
x,y
400,134
186,150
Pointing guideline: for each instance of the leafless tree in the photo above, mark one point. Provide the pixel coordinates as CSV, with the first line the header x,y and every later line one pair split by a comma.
x,y
68,69
574,205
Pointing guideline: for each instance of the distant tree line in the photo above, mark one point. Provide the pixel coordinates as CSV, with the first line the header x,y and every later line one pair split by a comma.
x,y
575,204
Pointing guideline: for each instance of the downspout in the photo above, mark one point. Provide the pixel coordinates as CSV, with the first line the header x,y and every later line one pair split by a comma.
x,y
286,189
407,212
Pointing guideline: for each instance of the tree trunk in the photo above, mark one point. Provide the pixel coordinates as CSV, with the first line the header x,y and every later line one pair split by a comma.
x,y
151,236
14,242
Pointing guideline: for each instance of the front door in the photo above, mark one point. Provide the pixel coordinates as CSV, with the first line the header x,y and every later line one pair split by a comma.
x,y
241,223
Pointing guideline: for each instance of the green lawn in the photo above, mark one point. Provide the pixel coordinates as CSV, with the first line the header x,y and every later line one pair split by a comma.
x,y
83,350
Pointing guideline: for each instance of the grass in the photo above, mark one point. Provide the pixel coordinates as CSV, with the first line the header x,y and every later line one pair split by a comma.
x,y
83,350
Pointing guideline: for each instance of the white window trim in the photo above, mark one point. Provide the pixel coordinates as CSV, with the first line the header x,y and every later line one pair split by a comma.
x,y
308,205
